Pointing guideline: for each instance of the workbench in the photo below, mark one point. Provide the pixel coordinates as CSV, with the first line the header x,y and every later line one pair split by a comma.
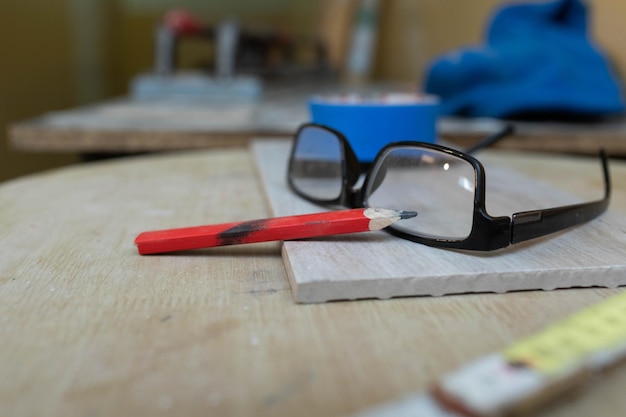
x,y
126,126
90,328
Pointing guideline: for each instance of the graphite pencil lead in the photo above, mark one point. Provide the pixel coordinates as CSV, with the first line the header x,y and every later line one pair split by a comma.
x,y
381,218
406,214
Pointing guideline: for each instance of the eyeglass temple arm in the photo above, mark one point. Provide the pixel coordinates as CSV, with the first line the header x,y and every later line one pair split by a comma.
x,y
527,225
491,139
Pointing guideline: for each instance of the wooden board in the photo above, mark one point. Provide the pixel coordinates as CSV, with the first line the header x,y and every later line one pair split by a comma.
x,y
127,126
377,265
545,136
90,328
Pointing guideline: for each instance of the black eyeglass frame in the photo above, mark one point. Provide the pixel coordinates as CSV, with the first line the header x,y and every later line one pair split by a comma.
x,y
488,232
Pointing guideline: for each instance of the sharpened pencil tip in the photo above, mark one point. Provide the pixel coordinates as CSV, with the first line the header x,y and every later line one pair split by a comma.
x,y
405,214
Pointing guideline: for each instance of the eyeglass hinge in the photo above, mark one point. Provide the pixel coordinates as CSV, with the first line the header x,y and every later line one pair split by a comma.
x,y
527,217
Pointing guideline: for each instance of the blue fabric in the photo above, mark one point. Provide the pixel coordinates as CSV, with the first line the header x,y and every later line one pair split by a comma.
x,y
537,59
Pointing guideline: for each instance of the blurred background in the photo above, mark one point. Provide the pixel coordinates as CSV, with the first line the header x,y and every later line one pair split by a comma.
x,y
59,54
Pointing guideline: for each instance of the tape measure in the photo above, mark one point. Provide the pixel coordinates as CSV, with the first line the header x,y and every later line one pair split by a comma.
x,y
529,373
579,338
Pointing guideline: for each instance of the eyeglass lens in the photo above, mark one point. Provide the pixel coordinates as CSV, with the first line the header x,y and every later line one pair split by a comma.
x,y
438,185
316,165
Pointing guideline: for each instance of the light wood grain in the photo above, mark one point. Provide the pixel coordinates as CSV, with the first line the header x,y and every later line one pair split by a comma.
x,y
127,126
543,136
90,328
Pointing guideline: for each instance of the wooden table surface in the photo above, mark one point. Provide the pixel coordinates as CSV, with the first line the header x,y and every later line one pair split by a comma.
x,y
125,125
90,328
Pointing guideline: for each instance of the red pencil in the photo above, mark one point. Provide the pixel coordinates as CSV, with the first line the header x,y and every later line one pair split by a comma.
x,y
264,230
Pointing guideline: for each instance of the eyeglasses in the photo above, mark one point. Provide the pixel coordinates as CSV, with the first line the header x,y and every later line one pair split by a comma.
x,y
445,186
